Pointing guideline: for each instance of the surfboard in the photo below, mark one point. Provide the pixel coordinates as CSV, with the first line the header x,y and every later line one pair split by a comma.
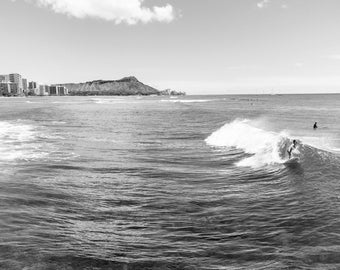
x,y
292,160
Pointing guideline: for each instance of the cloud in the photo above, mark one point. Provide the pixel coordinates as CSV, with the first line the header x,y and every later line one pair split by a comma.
x,y
299,64
263,3
334,56
118,11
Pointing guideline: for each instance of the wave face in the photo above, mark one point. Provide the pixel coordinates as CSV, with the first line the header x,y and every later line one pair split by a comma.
x,y
265,147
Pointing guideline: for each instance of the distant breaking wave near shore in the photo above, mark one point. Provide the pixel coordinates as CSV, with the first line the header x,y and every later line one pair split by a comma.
x,y
23,141
18,142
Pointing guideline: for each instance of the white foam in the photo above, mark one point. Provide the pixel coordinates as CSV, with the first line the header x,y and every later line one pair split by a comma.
x,y
107,101
17,141
266,147
187,100
65,102
16,132
33,102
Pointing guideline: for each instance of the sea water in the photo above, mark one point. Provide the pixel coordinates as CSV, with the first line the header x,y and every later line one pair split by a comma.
x,y
196,182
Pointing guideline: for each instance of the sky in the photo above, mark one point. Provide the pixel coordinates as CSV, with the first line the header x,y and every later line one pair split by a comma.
x,y
197,46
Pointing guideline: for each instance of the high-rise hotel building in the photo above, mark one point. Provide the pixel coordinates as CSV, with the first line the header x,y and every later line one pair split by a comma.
x,y
16,78
24,85
33,88
14,85
4,78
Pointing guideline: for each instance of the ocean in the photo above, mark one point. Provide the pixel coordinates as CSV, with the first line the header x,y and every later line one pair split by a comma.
x,y
195,182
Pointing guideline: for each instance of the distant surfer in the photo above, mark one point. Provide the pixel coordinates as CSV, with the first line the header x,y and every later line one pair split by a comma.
x,y
291,148
315,125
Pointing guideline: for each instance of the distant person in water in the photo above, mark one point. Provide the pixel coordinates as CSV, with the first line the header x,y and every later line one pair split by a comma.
x,y
315,125
291,148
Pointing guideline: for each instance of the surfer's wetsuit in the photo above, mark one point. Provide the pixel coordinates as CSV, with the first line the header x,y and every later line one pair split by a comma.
x,y
291,148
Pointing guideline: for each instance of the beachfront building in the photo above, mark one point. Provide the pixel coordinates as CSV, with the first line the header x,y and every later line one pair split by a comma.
x,y
32,85
15,89
58,90
63,91
4,78
47,90
13,84
9,88
33,88
24,85
5,87
17,79
44,90
54,90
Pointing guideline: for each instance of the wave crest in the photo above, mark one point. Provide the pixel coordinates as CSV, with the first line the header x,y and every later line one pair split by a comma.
x,y
264,146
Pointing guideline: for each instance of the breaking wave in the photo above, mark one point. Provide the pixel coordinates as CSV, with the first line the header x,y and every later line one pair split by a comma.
x,y
264,147
108,100
19,142
187,100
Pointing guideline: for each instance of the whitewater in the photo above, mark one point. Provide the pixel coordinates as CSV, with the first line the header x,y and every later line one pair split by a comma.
x,y
266,147
196,182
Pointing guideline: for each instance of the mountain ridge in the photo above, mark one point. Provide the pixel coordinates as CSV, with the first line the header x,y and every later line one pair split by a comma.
x,y
126,86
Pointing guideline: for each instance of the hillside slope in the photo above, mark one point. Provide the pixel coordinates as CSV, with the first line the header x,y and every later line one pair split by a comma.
x,y
123,87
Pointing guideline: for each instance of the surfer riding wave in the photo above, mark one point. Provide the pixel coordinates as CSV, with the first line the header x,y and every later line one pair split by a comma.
x,y
260,147
291,149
